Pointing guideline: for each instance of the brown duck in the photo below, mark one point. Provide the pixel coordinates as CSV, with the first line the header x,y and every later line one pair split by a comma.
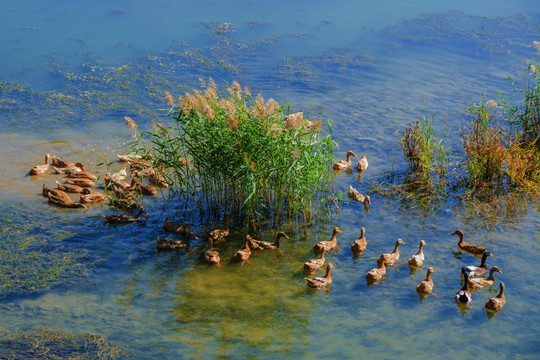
x,y
211,256
359,246
265,245
391,258
426,286
321,282
314,264
175,244
476,284
344,164
69,188
48,192
470,248
329,244
41,169
374,275
124,218
80,182
244,253
175,227
496,303
65,203
89,196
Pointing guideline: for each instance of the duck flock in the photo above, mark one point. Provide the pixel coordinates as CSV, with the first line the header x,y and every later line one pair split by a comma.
x,y
124,195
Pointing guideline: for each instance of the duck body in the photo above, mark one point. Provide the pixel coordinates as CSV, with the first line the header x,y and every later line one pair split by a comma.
x,y
175,244
362,164
315,264
375,274
175,227
65,203
417,260
496,303
69,187
41,169
218,235
359,246
244,253
48,192
80,182
329,244
470,248
81,175
59,163
476,284
124,218
426,286
211,256
265,245
463,296
472,270
344,164
143,189
357,196
391,258
89,196
321,282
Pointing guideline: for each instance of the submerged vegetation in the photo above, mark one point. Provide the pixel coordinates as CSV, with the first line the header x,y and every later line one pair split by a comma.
x,y
238,155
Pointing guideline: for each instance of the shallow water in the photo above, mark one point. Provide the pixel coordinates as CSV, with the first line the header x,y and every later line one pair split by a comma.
x,y
72,72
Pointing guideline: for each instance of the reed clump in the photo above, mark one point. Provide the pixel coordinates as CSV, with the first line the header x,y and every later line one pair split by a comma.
x,y
234,154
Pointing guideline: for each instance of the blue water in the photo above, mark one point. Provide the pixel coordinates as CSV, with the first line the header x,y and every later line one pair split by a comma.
x,y
72,70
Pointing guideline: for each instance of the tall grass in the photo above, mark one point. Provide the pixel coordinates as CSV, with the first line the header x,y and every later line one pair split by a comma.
x,y
246,158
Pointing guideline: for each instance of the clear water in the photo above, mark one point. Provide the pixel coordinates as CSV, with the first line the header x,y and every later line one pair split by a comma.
x,y
71,72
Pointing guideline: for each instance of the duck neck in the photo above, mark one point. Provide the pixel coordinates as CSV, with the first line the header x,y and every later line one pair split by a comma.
x,y
211,244
362,232
396,248
483,263
460,234
327,275
465,286
420,249
501,292
428,276
322,255
278,237
490,277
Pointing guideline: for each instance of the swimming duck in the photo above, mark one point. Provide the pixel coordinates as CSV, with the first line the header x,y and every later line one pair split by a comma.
x,y
330,244
356,196
48,192
496,303
320,282
124,218
63,202
417,260
472,270
158,179
80,182
344,164
218,235
463,296
359,246
244,253
144,189
125,203
129,157
176,227
77,167
391,258
374,275
476,284
114,185
265,245
314,264
362,164
81,174
89,196
175,244
470,248
41,169
426,286
56,162
69,188
211,256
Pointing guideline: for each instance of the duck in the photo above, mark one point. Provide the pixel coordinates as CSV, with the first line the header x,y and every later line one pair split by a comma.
x,y
41,169
472,270
496,303
265,245
374,275
69,187
330,244
165,244
356,196
320,282
314,264
463,296
143,189
391,258
218,235
63,202
417,260
470,248
476,284
359,246
157,178
119,175
81,174
175,227
48,192
129,157
426,286
77,167
114,185
56,162
211,256
89,196
124,218
362,164
244,253
344,164
80,182
125,203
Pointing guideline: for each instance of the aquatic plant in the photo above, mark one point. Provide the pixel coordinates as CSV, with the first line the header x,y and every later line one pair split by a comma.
x,y
52,344
246,158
